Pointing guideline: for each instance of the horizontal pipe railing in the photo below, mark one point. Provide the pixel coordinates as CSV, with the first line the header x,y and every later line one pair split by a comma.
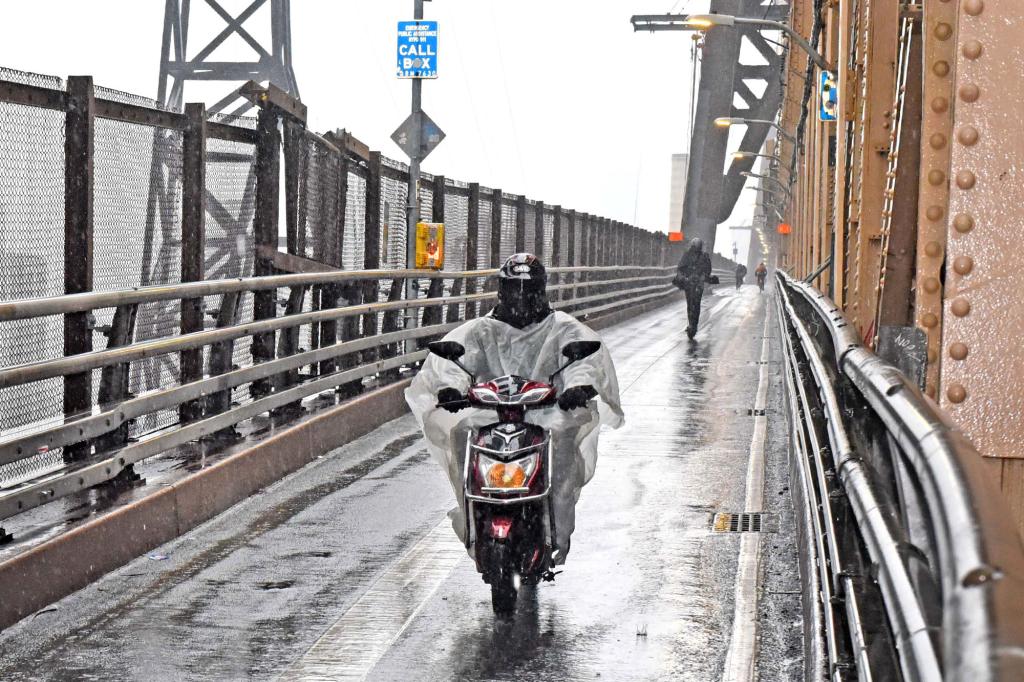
x,y
76,303
47,369
919,659
108,418
980,555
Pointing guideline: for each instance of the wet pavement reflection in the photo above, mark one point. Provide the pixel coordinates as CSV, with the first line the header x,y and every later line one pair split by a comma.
x,y
350,552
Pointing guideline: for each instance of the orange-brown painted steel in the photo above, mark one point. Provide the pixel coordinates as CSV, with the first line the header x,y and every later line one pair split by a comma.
x,y
983,315
939,34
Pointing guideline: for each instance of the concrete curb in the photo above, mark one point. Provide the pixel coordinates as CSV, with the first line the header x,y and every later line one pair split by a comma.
x,y
69,562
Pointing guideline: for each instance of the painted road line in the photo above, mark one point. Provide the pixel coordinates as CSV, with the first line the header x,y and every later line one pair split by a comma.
x,y
351,647
739,659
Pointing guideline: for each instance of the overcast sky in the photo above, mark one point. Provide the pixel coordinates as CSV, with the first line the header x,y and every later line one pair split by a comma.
x,y
557,99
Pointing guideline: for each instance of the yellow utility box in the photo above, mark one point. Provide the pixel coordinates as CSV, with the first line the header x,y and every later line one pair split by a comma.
x,y
429,246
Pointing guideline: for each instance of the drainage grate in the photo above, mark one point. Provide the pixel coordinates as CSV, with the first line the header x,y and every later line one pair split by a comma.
x,y
755,413
744,522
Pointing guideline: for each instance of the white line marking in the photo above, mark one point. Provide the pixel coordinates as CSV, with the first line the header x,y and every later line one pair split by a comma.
x,y
739,659
351,647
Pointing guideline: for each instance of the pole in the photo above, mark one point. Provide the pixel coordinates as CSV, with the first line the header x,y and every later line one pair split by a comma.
x,y
413,206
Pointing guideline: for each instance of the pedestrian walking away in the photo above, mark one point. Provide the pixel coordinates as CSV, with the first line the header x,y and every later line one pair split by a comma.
x,y
741,272
692,273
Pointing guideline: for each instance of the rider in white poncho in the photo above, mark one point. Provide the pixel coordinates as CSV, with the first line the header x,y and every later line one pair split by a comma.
x,y
524,337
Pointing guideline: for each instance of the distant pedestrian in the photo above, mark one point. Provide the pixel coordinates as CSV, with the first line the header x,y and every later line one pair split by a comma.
x,y
693,272
741,272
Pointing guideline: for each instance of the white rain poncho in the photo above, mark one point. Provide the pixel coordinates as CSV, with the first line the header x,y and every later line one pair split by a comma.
x,y
494,349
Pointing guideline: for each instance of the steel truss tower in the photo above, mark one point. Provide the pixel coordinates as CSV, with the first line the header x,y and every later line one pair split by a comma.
x,y
270,63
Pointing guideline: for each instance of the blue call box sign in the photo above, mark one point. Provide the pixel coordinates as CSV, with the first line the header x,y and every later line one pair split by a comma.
x,y
417,49
828,96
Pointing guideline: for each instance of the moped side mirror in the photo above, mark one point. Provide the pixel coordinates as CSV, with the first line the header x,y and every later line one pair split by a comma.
x,y
577,350
449,350
574,352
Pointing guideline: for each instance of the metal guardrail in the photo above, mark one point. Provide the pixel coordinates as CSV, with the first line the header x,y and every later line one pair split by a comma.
x,y
379,352
901,512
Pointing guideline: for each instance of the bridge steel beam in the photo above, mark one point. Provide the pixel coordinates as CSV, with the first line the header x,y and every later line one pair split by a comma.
x,y
711,194
269,63
982,359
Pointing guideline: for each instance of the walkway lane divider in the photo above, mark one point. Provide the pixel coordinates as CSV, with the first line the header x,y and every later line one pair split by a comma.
x,y
740,657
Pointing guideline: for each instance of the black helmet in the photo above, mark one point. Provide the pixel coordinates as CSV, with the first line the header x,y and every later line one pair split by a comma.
x,y
522,291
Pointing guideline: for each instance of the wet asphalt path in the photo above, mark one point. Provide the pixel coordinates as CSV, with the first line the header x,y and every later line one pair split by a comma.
x,y
348,568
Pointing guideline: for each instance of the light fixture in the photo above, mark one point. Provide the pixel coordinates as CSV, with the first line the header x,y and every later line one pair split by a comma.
x,y
702,22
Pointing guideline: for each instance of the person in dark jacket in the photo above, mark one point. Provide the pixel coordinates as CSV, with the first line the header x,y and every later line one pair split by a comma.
x,y
693,272
741,272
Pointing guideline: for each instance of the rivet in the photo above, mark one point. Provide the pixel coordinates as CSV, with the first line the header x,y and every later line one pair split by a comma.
x,y
962,265
958,350
961,307
940,105
969,92
937,141
972,49
974,7
965,179
936,177
931,285
943,31
929,320
934,213
956,393
967,135
932,355
933,249
940,68
930,391
963,223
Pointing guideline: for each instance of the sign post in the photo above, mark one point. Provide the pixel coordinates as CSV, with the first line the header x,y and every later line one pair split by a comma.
x,y
418,135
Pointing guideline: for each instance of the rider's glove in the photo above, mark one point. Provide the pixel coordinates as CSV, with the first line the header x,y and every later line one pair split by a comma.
x,y
574,397
450,399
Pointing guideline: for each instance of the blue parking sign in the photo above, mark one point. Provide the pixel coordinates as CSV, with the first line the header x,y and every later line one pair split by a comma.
x,y
417,49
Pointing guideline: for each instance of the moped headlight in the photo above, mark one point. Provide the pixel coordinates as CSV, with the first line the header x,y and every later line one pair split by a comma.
x,y
514,474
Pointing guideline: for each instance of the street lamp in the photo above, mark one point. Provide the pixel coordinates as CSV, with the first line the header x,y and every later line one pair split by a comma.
x,y
785,189
702,22
739,156
726,121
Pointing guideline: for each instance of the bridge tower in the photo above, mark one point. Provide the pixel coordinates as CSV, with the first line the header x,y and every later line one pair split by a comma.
x,y
271,62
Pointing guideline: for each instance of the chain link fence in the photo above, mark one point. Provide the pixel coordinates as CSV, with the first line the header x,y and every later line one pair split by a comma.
x,y
139,194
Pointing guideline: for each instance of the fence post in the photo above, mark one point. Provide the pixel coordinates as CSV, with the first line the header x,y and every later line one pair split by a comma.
x,y
570,257
193,244
472,245
330,293
78,243
496,203
556,243
538,232
371,247
521,223
268,162
584,251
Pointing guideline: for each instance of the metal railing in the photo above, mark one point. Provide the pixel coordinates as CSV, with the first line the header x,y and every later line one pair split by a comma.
x,y
373,347
918,567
